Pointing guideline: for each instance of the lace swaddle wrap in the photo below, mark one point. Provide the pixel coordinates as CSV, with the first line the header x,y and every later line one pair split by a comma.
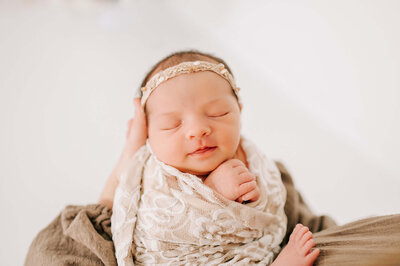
x,y
164,216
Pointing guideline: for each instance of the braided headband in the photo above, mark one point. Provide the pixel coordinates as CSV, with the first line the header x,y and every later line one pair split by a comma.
x,y
186,68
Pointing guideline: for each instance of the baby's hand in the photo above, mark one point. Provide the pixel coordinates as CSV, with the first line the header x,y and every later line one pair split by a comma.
x,y
234,181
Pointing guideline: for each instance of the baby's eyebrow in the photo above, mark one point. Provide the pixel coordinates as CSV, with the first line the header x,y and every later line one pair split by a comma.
x,y
214,100
224,100
171,113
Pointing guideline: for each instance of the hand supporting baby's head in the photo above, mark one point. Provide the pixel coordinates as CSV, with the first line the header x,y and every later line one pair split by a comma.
x,y
193,119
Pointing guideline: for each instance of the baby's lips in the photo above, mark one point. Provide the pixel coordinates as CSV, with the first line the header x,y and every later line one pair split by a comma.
x,y
203,148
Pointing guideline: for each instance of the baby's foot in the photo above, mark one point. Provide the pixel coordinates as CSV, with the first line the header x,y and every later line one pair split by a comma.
x,y
298,250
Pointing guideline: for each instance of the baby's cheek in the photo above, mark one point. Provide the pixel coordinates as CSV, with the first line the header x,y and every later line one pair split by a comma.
x,y
165,148
157,145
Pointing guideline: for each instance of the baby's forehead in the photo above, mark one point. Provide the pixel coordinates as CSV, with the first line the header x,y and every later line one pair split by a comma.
x,y
207,103
210,72
199,89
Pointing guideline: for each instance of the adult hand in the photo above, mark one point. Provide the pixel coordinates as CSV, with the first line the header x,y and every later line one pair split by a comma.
x,y
135,138
136,134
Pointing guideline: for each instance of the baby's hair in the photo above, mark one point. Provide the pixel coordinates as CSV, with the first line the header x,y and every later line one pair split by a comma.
x,y
180,57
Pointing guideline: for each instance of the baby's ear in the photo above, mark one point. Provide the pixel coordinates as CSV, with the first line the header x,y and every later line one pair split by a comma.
x,y
240,106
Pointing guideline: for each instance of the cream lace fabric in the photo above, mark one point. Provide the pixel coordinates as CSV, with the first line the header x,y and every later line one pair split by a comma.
x,y
164,216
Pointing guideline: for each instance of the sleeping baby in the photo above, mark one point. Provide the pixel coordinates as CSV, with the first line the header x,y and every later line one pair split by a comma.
x,y
196,191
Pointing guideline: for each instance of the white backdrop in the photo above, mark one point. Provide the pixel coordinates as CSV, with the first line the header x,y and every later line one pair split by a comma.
x,y
320,85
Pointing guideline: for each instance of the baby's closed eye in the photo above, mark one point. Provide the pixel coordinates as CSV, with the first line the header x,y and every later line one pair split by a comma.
x,y
169,124
217,113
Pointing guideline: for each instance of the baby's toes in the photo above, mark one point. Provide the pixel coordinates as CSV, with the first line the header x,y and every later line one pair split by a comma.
x,y
307,247
301,233
310,258
307,236
293,235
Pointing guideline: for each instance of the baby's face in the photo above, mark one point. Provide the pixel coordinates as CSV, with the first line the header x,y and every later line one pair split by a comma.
x,y
194,122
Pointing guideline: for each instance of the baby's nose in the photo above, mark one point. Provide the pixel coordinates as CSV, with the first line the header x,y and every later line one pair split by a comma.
x,y
197,130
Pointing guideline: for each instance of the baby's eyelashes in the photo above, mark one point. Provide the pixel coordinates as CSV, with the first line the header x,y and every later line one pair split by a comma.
x,y
171,127
169,124
218,115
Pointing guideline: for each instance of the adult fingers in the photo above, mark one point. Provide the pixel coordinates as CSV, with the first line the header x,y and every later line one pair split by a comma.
x,y
139,115
137,103
128,132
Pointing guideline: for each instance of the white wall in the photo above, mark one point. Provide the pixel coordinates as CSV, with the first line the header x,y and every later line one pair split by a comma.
x,y
320,85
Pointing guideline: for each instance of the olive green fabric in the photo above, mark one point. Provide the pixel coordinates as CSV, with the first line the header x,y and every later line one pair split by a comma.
x,y
371,241
80,235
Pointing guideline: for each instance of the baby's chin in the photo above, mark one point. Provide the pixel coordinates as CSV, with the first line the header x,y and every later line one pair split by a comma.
x,y
205,168
198,172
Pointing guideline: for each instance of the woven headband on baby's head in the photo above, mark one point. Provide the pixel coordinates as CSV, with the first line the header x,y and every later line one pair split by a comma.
x,y
186,68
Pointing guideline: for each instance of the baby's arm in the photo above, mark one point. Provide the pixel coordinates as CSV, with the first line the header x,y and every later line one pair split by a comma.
x,y
298,251
234,181
135,138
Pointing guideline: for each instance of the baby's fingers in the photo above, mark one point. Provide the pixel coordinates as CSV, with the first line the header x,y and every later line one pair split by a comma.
x,y
245,177
249,191
251,196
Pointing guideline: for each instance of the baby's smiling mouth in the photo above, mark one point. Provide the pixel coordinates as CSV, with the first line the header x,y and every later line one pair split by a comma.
x,y
202,150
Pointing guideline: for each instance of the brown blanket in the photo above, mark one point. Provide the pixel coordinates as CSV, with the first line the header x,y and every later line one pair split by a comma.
x,y
81,235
